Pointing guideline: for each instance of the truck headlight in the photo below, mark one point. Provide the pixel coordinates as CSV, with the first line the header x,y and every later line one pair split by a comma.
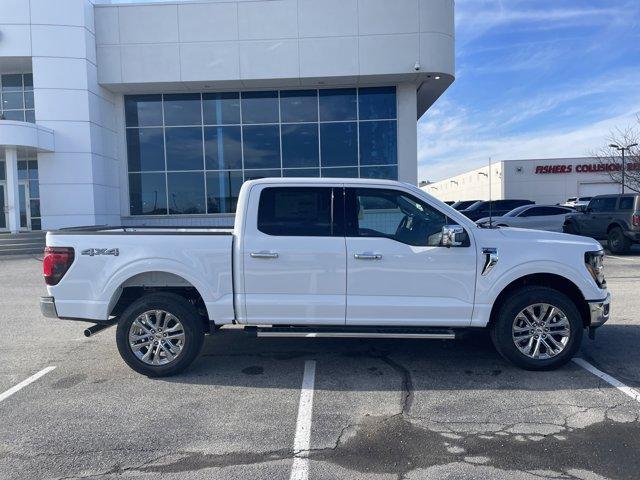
x,y
595,265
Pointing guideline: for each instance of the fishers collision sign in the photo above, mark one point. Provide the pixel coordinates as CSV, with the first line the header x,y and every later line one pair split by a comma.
x,y
584,168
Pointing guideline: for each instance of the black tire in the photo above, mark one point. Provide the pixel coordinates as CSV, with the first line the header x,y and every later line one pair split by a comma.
x,y
570,228
501,328
617,242
191,326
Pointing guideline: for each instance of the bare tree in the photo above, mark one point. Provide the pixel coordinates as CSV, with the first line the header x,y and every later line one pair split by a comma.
x,y
609,159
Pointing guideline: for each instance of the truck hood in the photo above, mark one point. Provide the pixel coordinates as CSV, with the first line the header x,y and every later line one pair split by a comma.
x,y
524,236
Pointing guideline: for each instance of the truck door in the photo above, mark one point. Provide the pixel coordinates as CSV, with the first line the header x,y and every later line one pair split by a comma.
x,y
397,272
596,219
294,256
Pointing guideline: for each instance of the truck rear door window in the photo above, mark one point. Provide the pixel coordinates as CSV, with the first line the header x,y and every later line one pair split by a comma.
x,y
300,211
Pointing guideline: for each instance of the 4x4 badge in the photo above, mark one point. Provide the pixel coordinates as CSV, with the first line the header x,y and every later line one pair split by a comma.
x,y
101,251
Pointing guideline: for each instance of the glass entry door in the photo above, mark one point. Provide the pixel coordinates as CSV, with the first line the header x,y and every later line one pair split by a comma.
x,y
25,217
4,221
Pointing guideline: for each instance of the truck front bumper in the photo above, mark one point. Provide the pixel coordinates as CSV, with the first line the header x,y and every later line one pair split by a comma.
x,y
48,307
599,311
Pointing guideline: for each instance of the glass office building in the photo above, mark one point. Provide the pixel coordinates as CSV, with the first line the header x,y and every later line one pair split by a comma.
x,y
156,113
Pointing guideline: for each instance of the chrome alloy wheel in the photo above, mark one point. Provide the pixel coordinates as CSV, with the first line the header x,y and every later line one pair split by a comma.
x,y
541,331
156,337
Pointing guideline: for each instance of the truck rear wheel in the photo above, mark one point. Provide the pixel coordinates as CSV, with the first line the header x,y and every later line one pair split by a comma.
x,y
159,334
617,242
537,328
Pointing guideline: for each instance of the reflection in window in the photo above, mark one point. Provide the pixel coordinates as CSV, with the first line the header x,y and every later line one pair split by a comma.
x,y
223,148
342,172
378,143
294,211
16,97
339,144
182,109
257,174
145,149
147,194
377,103
300,145
260,107
299,106
186,193
301,172
221,108
261,144
338,104
222,191
143,110
385,173
184,148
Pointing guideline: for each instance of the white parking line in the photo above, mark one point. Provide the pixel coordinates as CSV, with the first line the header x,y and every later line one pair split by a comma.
x,y
302,440
609,379
24,383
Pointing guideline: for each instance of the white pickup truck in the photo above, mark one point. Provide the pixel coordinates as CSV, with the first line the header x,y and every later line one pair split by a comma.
x,y
329,258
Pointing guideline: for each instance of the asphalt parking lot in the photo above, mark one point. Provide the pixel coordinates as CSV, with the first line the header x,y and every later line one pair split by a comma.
x,y
380,409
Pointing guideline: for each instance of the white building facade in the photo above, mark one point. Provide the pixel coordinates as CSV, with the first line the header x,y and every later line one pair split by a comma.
x,y
156,113
545,181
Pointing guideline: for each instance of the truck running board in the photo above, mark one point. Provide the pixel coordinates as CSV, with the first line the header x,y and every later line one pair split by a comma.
x,y
354,332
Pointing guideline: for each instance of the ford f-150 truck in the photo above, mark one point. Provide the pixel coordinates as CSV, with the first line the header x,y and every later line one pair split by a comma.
x,y
332,258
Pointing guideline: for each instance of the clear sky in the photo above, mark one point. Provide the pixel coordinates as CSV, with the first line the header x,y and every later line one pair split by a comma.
x,y
534,79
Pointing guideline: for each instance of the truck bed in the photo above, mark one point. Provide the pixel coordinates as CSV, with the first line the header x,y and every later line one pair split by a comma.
x,y
142,230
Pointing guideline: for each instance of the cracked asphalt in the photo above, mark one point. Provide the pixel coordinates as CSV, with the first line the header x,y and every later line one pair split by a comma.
x,y
383,409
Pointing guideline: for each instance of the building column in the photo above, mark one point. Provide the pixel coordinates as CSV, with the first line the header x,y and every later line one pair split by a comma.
x,y
13,193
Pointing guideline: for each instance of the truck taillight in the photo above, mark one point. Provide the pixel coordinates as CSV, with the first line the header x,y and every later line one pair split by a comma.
x,y
636,220
56,262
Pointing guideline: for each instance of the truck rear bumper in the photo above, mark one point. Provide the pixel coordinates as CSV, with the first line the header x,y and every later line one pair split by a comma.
x,y
48,307
599,311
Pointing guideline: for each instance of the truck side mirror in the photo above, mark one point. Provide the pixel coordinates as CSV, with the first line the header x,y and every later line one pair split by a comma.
x,y
454,236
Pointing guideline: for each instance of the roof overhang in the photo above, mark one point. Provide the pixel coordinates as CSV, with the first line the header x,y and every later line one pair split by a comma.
x,y
26,135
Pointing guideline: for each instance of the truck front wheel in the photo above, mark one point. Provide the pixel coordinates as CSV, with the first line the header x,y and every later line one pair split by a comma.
x,y
159,334
537,328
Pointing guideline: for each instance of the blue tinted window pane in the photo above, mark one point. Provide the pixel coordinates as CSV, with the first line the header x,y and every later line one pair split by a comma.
x,y
300,145
301,172
338,104
143,110
23,169
33,169
222,191
147,194
256,174
30,116
145,149
12,100
344,172
36,224
261,146
34,207
11,82
186,193
222,148
28,81
299,106
28,100
378,143
3,171
184,148
221,108
17,115
377,102
182,109
34,189
339,144
389,172
260,107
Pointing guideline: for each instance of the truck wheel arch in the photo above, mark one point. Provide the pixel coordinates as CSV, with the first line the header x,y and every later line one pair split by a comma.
x,y
153,282
551,280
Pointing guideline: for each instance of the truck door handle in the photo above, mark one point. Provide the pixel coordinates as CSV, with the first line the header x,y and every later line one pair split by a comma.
x,y
264,254
367,256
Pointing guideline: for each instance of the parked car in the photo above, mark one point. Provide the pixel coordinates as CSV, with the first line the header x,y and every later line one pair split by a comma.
x,y
539,217
328,258
498,207
614,217
463,204
576,201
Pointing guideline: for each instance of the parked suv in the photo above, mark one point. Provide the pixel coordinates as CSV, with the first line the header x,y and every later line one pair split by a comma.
x,y
614,217
498,207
